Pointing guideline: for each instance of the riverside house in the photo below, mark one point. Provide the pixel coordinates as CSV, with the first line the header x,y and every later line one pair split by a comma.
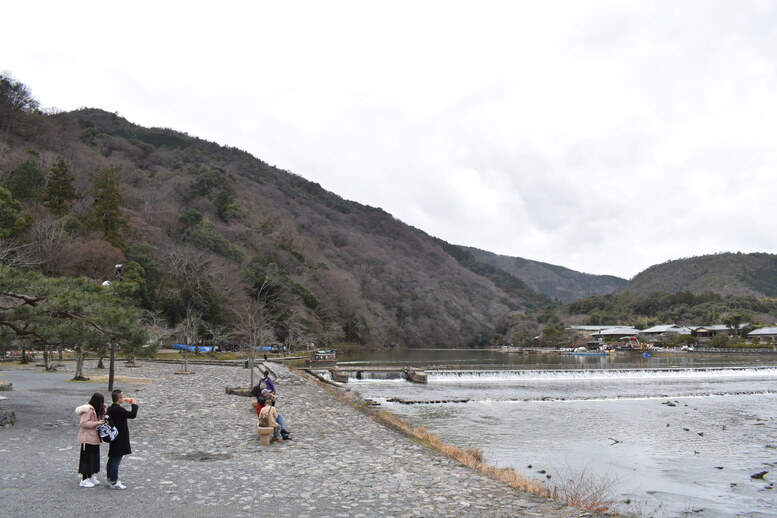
x,y
765,334
663,330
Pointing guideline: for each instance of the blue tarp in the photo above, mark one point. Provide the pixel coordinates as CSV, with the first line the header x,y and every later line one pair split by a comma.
x,y
267,348
195,348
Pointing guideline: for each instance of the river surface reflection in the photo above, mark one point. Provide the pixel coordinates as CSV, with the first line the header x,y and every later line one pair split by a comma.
x,y
673,434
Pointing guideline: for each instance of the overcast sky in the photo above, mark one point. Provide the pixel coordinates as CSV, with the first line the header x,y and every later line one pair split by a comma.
x,y
604,136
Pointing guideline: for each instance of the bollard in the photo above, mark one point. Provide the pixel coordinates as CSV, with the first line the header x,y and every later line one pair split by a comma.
x,y
265,434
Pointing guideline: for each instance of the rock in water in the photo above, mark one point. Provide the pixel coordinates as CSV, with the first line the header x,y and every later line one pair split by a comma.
x,y
759,475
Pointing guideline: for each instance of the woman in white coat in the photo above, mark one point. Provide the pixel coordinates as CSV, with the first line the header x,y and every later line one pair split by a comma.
x,y
92,415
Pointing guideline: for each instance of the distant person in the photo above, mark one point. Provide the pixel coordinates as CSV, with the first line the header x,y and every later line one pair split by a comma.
x,y
91,416
269,384
120,446
265,383
268,399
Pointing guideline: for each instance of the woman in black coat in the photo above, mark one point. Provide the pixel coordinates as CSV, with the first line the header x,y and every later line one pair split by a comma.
x,y
120,446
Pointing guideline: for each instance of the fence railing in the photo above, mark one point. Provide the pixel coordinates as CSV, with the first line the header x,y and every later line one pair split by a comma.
x,y
734,350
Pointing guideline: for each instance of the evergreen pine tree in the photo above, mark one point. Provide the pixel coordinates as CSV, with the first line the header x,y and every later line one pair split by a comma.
x,y
106,209
11,223
26,180
59,193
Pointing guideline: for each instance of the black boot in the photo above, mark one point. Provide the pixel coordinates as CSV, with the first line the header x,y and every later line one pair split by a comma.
x,y
285,435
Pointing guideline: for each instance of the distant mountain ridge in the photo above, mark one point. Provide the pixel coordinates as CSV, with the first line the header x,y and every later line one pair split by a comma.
x,y
207,229
211,227
728,273
554,281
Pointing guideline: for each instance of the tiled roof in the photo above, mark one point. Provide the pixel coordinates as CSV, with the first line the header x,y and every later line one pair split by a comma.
x,y
763,331
674,328
620,331
720,327
589,328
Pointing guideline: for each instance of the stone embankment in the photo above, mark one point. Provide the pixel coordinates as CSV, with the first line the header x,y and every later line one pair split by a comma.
x,y
196,453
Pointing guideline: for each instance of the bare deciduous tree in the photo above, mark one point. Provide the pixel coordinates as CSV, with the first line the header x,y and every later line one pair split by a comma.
x,y
296,337
17,255
48,240
158,332
188,331
191,279
253,327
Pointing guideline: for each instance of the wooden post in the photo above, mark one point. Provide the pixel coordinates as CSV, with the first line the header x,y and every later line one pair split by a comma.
x,y
111,366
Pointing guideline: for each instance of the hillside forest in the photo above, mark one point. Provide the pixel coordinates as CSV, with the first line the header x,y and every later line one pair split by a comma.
x,y
115,233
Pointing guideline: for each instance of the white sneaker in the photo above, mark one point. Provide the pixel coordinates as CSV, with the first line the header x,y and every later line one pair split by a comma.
x,y
93,480
118,485
86,483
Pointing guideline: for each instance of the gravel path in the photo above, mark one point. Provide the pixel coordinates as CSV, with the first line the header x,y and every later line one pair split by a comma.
x,y
196,453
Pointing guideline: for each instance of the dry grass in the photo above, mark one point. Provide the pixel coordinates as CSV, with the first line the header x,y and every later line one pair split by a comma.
x,y
470,457
581,488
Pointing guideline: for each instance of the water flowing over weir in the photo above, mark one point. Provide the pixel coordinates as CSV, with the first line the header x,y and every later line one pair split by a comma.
x,y
453,376
376,375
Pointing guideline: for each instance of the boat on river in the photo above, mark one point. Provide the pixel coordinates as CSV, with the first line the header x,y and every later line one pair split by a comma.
x,y
632,345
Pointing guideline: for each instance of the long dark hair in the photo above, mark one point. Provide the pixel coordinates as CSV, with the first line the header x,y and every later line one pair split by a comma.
x,y
98,403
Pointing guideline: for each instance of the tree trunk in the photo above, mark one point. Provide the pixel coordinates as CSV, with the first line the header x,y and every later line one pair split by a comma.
x,y
186,355
80,366
47,358
61,352
24,357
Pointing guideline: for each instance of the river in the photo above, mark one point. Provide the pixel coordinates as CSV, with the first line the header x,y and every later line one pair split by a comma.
x,y
670,434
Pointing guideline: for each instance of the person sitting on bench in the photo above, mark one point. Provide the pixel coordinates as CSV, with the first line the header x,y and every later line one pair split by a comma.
x,y
268,418
267,398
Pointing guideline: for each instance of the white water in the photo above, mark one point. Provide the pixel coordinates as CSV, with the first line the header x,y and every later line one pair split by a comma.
x,y
677,442
498,376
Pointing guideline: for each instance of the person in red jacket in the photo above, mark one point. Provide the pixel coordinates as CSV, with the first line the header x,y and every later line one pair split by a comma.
x,y
120,446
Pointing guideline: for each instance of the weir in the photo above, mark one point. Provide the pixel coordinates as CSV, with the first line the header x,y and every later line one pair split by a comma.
x,y
345,374
451,375
342,375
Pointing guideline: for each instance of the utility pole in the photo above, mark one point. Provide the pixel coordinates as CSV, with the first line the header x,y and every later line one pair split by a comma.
x,y
111,367
117,276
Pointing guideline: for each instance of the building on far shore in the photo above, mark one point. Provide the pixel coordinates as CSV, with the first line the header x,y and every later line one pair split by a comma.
x,y
616,333
767,334
702,333
589,331
670,329
715,330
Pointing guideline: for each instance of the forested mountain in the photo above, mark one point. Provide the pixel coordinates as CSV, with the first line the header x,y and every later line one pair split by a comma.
x,y
725,274
210,231
554,281
706,290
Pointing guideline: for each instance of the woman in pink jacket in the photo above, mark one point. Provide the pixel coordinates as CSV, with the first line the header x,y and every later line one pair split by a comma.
x,y
92,415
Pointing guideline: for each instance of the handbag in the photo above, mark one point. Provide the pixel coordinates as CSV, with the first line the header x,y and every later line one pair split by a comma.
x,y
107,431
263,419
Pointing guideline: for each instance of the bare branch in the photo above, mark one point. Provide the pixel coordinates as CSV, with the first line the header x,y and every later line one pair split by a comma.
x,y
16,255
25,299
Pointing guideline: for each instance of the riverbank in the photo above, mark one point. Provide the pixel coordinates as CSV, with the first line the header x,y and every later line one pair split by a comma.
x,y
196,453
